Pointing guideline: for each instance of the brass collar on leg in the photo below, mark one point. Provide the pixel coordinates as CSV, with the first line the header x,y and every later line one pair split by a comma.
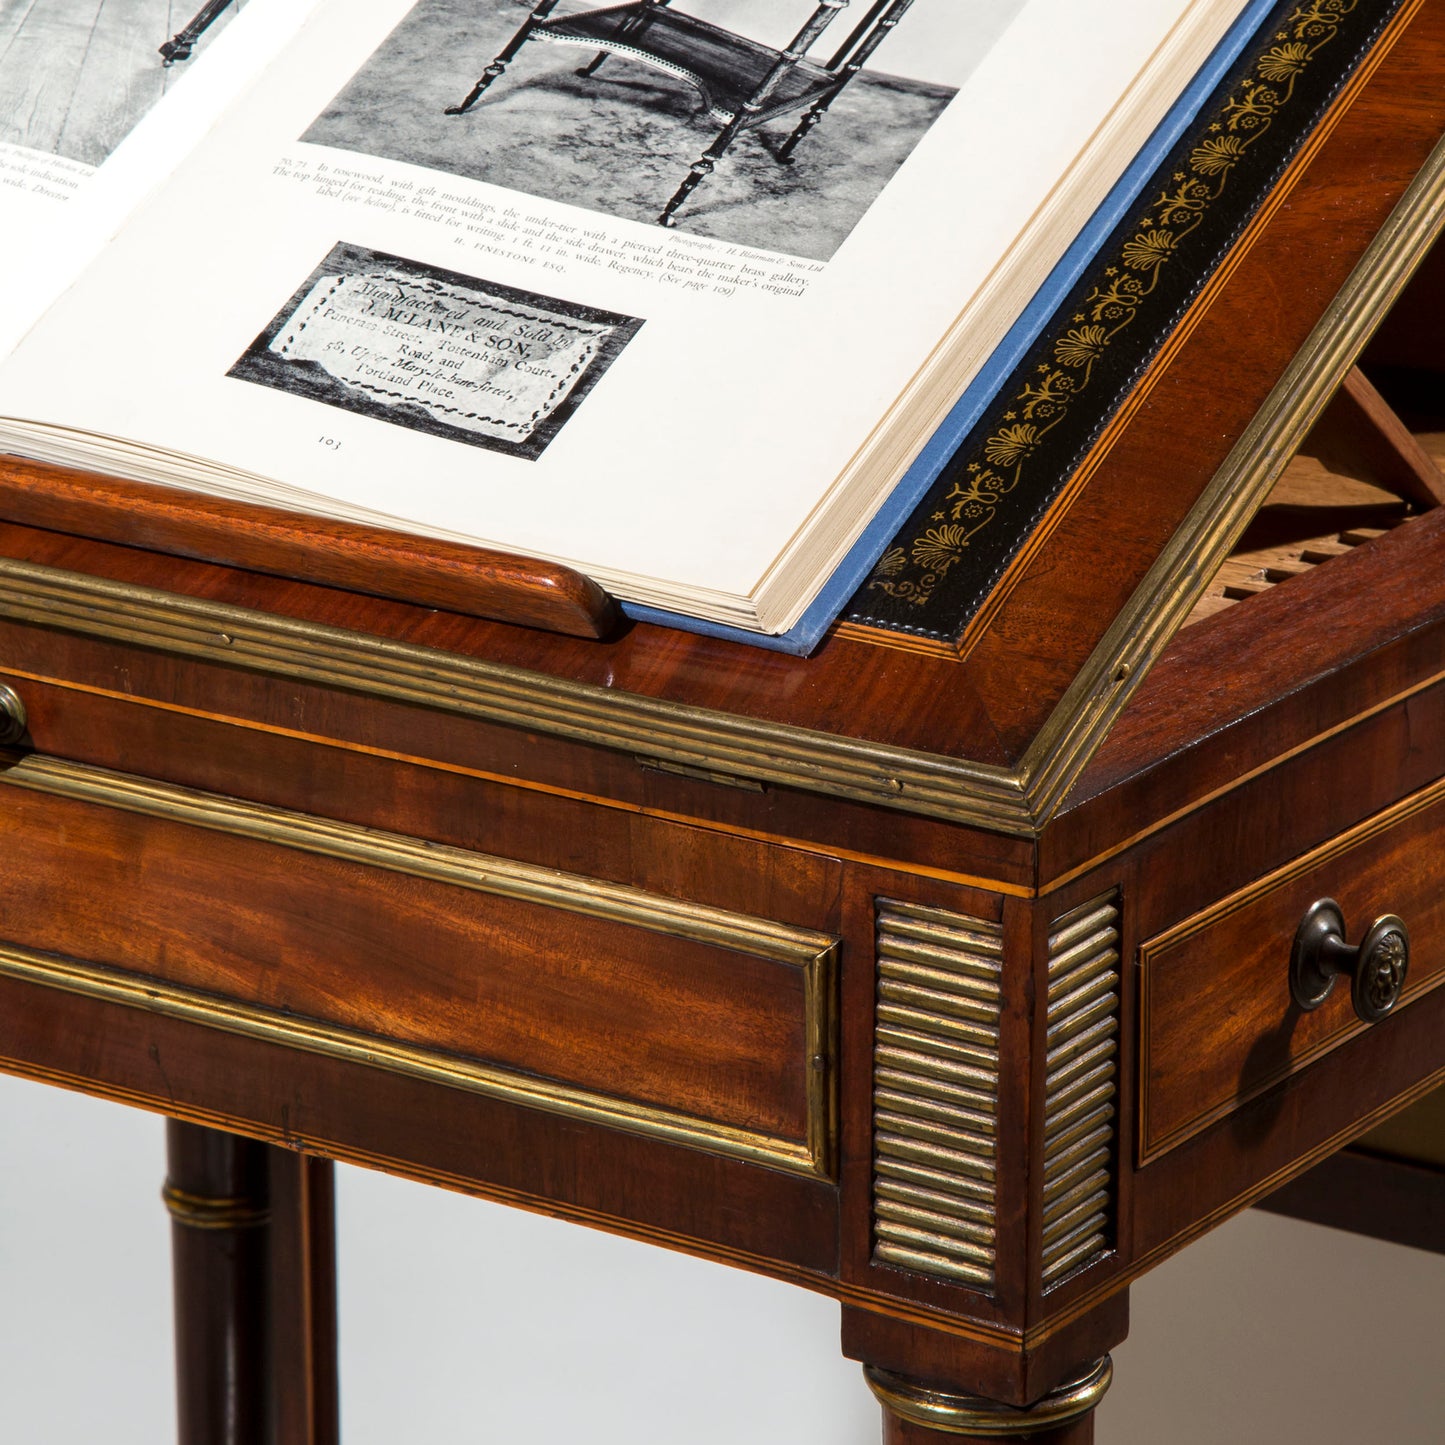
x,y
973,1415
204,1211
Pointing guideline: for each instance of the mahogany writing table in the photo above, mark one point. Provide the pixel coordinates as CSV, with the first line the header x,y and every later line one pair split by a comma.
x,y
955,975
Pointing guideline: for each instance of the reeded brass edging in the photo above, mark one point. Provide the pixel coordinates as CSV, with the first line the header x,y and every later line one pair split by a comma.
x,y
436,862
934,786
1015,802
972,1415
329,1041
812,953
1158,608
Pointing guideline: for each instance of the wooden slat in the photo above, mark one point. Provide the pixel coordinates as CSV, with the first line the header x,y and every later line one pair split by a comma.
x,y
1360,435
1313,515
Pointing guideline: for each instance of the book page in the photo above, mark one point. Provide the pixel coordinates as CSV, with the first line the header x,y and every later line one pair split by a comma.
x,y
426,271
93,114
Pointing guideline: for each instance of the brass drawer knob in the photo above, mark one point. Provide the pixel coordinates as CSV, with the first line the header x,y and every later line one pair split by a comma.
x,y
1376,966
12,716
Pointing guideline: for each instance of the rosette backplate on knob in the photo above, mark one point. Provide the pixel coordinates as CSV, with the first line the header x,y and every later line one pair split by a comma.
x,y
12,716
1376,966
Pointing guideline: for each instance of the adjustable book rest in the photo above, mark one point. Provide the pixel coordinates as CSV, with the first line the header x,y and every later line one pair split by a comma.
x,y
743,83
369,561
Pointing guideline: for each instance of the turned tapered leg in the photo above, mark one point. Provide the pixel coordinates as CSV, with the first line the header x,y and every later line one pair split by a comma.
x,y
253,1249
180,45
504,58
747,114
701,169
919,1414
849,61
216,1191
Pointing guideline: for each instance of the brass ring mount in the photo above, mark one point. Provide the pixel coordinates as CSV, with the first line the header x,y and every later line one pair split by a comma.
x,y
952,1414
205,1211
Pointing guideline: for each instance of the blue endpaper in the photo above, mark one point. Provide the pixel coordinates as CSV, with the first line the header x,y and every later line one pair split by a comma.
x,y
808,631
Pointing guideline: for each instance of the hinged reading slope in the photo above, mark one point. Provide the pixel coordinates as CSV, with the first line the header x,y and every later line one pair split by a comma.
x,y
1056,625
992,728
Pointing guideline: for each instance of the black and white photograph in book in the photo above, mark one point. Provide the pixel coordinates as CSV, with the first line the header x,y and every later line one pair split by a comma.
x,y
435,351
77,75
773,124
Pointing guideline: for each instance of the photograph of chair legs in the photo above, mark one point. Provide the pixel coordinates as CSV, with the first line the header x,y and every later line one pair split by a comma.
x,y
740,82
77,75
773,124
184,41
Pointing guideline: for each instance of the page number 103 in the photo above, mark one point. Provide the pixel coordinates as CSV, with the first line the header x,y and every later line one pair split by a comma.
x,y
330,443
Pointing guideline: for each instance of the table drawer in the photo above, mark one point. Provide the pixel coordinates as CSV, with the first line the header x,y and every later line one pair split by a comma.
x,y
611,1004
1218,1024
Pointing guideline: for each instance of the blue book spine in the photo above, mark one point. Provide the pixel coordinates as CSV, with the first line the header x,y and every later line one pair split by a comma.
x,y
809,630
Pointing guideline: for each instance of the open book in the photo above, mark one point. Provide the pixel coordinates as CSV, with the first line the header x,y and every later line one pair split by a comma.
x,y
672,292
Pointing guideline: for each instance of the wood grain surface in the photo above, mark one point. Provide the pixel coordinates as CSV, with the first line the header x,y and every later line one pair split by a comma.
x,y
475,581
1262,734
614,1008
990,706
1218,1025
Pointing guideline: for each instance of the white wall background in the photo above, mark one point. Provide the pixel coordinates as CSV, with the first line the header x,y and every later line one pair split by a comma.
x,y
464,1322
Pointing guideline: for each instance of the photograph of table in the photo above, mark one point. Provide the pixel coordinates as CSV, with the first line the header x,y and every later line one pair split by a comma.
x,y
742,83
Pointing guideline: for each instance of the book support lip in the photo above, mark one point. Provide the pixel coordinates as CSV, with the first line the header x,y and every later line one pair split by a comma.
x,y
742,83
427,571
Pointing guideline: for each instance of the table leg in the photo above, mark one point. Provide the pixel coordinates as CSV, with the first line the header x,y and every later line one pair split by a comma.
x,y
303,1299
253,1253
848,63
216,1191
787,60
504,58
919,1414
637,23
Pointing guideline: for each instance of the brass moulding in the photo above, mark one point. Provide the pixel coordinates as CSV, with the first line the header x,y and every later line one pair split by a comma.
x,y
813,954
205,1211
972,1415
398,853
744,749
1183,570
1014,801
329,1041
